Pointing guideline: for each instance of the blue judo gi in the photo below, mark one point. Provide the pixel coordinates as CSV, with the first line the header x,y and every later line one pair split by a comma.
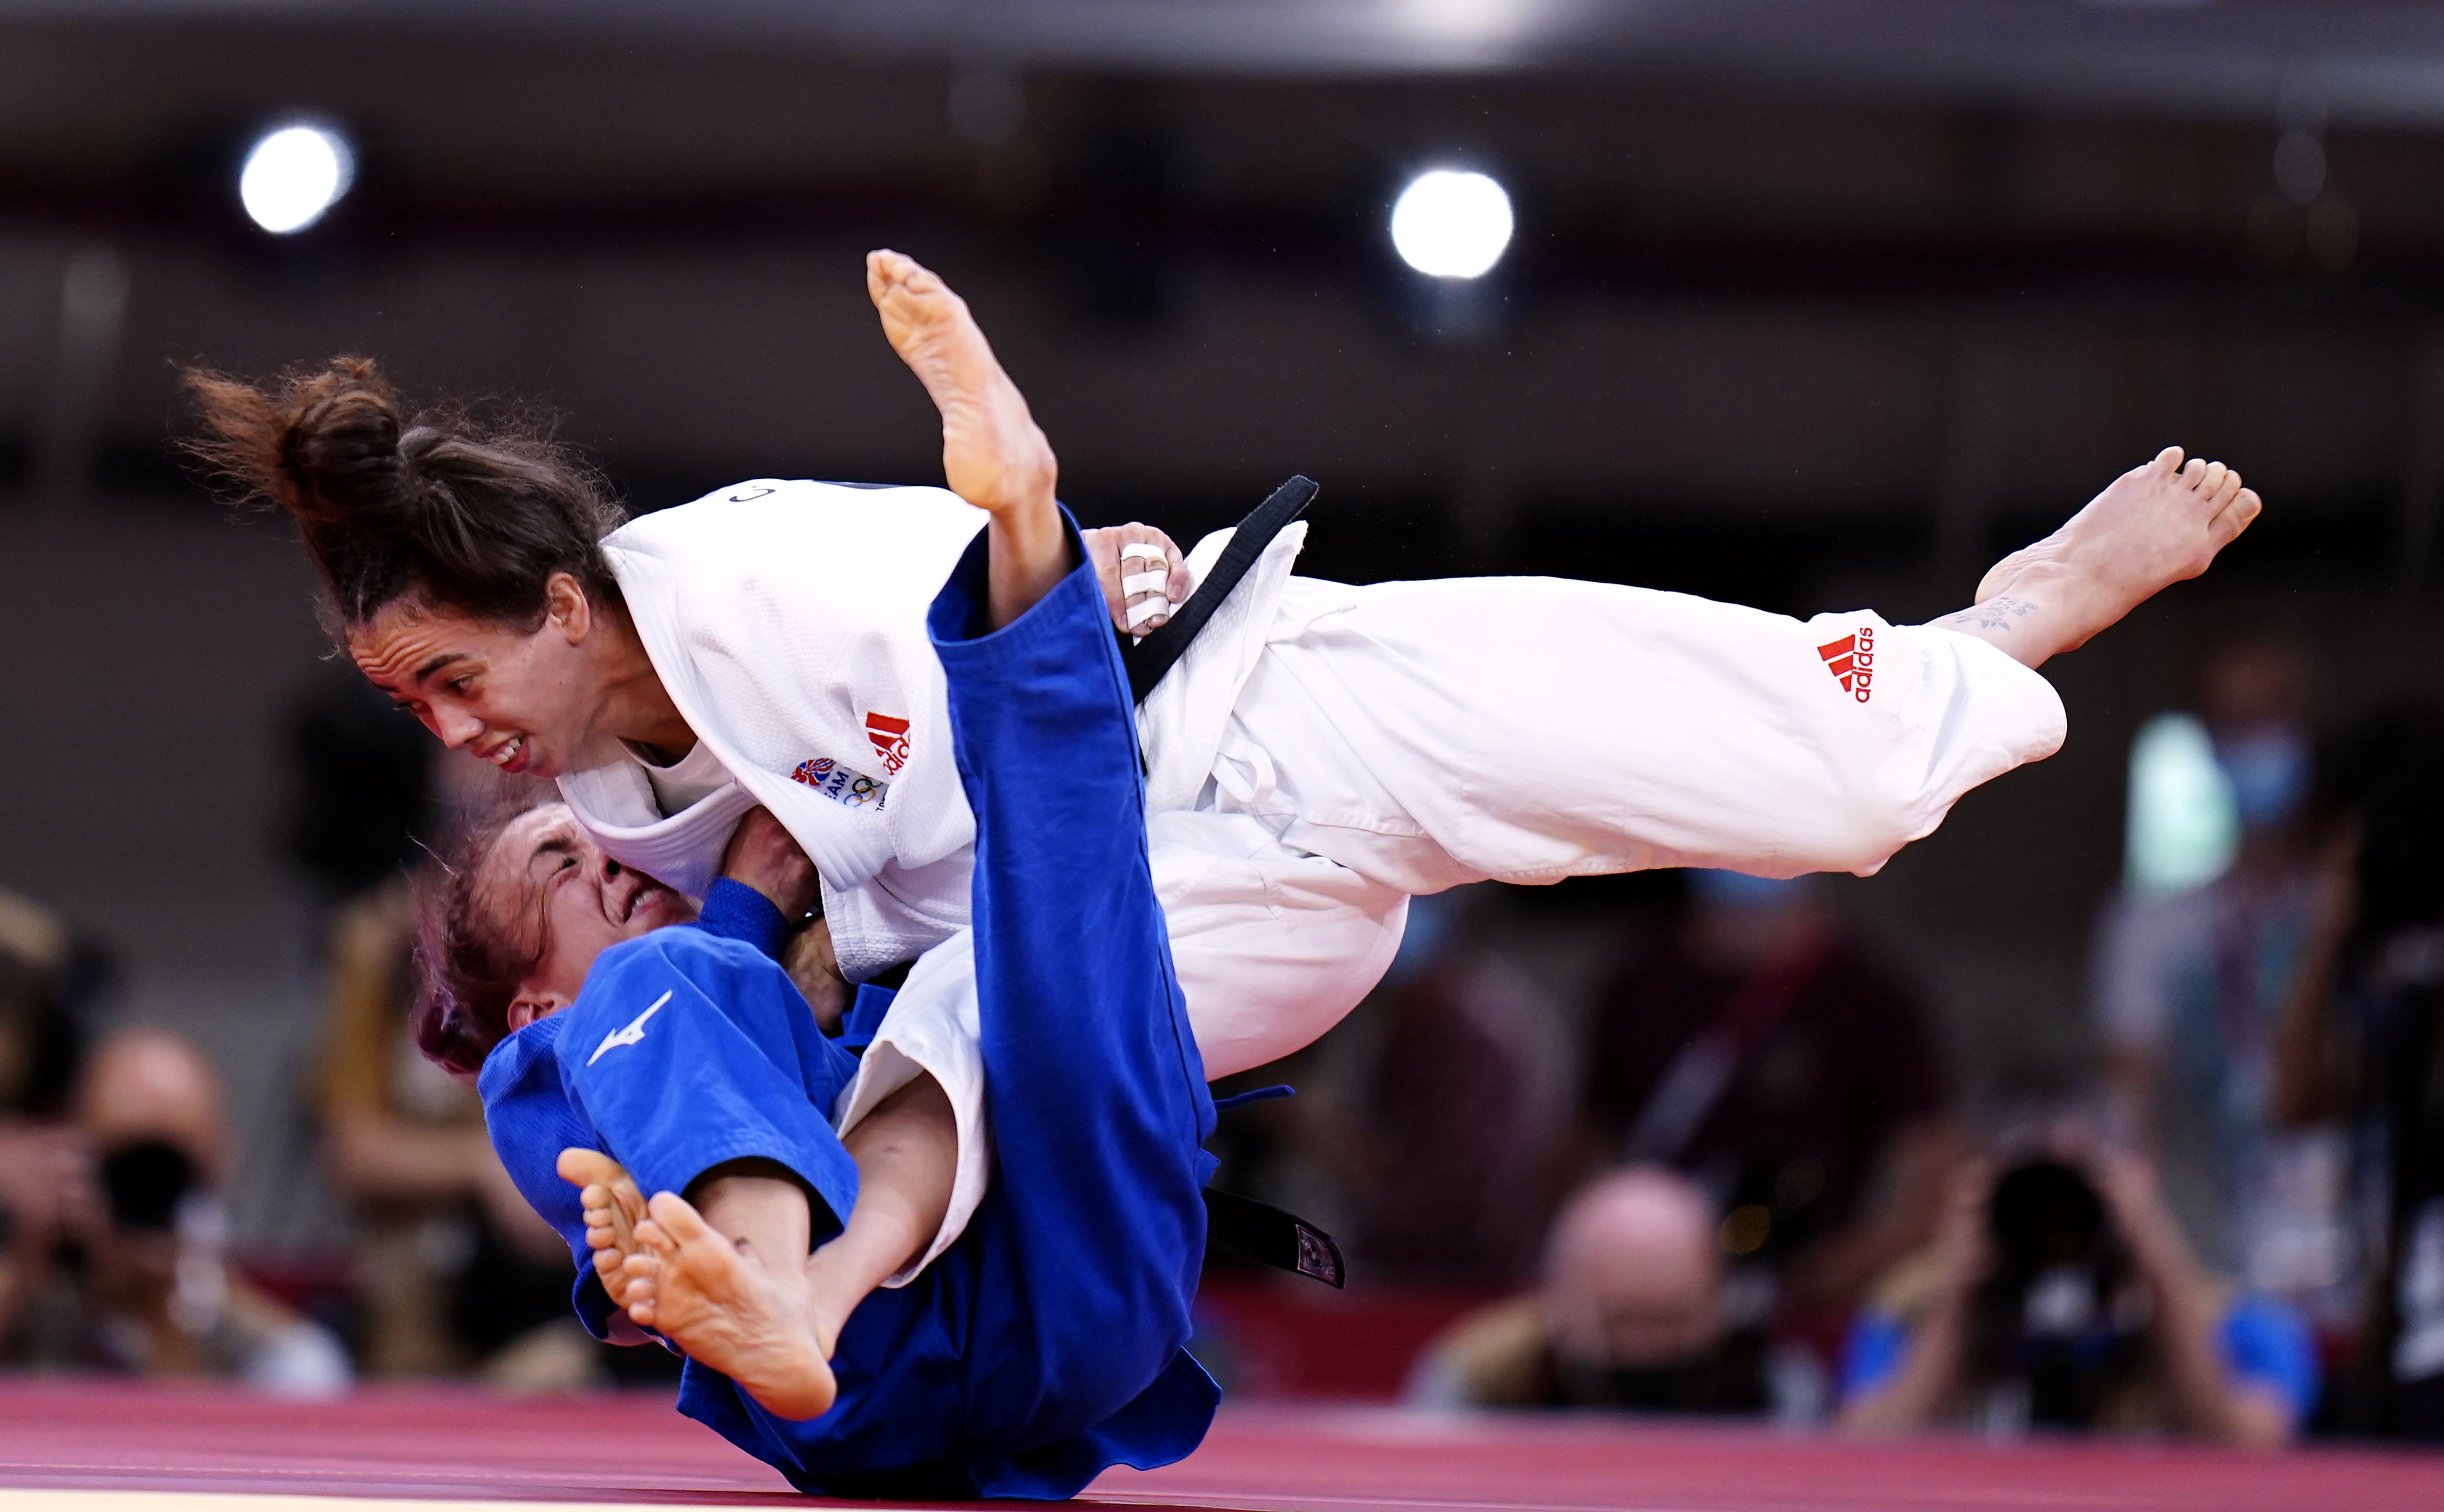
x,y
1047,1342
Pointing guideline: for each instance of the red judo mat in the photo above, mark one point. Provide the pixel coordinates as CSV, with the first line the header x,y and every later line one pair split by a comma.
x,y
453,1444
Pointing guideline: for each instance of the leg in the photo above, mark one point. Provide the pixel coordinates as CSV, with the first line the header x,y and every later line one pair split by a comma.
x,y
2153,527
1577,727
726,1276
993,454
1098,1102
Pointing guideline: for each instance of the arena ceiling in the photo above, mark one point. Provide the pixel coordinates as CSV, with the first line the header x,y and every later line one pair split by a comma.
x,y
2358,60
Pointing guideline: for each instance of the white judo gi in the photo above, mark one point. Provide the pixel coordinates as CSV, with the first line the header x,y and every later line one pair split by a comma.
x,y
1320,754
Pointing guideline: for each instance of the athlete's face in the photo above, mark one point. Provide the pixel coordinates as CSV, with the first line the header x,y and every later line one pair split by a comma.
x,y
527,701
550,890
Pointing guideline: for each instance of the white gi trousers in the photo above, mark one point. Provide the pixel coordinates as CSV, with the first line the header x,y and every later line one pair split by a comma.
x,y
1408,737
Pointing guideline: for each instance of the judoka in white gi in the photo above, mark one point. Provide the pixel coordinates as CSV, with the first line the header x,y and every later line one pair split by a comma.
x,y
1321,752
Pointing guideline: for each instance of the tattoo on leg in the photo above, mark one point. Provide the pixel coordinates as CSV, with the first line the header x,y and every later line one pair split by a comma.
x,y
1995,614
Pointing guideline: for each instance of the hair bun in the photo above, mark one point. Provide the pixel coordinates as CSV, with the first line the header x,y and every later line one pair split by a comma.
x,y
473,517
322,444
341,444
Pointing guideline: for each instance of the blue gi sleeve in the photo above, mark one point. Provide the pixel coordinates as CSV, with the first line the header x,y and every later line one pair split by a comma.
x,y
686,1051
2270,1346
733,911
1872,1355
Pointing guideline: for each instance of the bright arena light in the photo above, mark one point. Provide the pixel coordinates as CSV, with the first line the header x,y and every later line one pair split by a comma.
x,y
1450,224
293,175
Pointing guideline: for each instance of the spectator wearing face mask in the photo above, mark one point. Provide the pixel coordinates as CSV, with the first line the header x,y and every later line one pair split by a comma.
x,y
2361,1045
2059,1293
2189,993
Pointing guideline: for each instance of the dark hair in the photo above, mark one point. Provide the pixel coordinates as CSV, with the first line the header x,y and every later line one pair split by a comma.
x,y
467,517
469,960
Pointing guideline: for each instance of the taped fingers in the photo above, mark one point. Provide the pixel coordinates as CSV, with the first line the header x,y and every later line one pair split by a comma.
x,y
1145,592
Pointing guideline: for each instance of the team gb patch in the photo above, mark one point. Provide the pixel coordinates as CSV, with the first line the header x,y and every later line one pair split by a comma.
x,y
841,786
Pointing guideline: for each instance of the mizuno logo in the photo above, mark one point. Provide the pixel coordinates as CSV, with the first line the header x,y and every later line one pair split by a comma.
x,y
632,1034
1852,662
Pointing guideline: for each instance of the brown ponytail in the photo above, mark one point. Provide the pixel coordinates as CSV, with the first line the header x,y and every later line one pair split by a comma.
x,y
462,517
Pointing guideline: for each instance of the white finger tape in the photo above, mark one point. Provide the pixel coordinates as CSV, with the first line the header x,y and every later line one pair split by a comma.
x,y
1141,613
1143,551
1143,583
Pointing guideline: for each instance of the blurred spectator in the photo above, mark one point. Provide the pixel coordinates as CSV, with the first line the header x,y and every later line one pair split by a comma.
x,y
47,979
452,1266
148,1290
1630,1314
2363,1040
1766,1055
2059,1293
1448,1169
2189,989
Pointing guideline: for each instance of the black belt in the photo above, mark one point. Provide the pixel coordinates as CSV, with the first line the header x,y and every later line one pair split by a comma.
x,y
1268,1236
1148,659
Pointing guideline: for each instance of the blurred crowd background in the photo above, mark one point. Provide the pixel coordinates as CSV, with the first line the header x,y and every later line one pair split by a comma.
x,y
2117,1104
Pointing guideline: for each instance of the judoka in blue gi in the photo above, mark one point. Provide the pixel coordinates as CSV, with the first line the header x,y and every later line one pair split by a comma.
x,y
1046,1343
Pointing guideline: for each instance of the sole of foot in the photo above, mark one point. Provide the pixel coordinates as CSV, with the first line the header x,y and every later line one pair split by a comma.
x,y
994,455
727,1308
2156,524
612,1209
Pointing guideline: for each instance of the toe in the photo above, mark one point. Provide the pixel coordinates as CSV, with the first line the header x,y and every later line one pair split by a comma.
x,y
2229,491
652,1240
885,270
2168,461
2194,472
677,1218
2210,481
2237,516
583,1168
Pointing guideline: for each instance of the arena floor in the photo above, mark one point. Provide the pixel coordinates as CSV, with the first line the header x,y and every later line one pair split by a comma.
x,y
119,1448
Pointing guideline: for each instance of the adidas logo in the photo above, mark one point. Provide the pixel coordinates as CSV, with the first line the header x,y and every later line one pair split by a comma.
x,y
1852,662
890,737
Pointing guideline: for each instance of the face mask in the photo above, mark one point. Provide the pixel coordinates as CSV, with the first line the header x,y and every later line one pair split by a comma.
x,y
2268,770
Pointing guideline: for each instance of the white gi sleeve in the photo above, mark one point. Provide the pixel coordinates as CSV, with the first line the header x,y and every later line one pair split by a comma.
x,y
931,1025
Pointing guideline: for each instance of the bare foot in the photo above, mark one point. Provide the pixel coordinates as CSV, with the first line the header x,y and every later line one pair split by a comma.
x,y
993,454
2154,526
613,1208
740,1313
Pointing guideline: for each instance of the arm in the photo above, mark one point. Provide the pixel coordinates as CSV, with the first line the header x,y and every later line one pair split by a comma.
x,y
2313,1060
2201,1396
1931,1368
47,1193
765,859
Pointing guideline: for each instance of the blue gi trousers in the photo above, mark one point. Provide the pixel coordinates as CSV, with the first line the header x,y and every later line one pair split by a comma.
x,y
1047,1343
